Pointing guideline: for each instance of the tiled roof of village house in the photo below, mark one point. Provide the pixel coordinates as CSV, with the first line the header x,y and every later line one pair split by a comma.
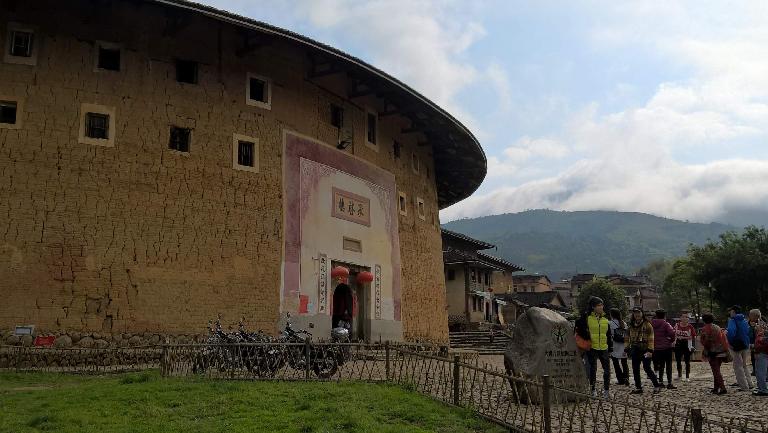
x,y
480,244
530,277
533,299
501,262
455,257
460,162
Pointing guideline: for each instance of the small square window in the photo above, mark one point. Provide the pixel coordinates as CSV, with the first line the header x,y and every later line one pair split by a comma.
x,y
258,92
337,116
109,58
8,110
186,71
245,153
179,139
97,126
21,43
402,203
371,128
420,208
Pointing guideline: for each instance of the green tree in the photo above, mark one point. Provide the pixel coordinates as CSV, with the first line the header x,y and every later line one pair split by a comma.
x,y
735,267
612,296
680,288
657,271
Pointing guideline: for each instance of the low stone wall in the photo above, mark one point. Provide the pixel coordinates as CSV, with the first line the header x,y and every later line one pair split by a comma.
x,y
80,360
97,340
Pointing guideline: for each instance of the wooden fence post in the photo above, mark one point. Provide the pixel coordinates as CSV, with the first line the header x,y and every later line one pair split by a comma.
x,y
697,420
456,380
547,403
386,358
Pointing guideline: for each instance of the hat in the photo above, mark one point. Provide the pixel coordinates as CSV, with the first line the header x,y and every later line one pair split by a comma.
x,y
637,309
661,311
594,300
735,308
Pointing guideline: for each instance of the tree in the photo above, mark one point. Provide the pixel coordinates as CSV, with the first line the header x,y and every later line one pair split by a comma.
x,y
736,267
680,288
612,296
657,271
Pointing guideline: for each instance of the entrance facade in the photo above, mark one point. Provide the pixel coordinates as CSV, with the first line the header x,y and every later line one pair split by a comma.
x,y
339,211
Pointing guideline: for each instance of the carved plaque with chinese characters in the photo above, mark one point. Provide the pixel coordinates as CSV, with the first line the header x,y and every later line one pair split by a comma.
x,y
351,207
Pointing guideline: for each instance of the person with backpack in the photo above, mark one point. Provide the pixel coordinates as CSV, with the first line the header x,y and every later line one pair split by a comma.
x,y
618,355
715,351
685,336
738,340
640,349
761,352
601,345
664,342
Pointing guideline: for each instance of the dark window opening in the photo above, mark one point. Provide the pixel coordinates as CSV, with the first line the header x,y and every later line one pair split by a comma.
x,y
396,148
371,128
258,90
21,43
402,204
109,59
337,116
8,112
473,276
421,209
97,125
451,274
180,138
186,71
487,278
245,153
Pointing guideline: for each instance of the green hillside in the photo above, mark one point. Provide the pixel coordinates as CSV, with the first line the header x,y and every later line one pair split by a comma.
x,y
560,244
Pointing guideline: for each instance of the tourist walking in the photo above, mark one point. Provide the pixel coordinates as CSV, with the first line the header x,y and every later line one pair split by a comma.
x,y
602,345
618,354
664,342
738,340
715,351
685,337
752,322
761,352
640,348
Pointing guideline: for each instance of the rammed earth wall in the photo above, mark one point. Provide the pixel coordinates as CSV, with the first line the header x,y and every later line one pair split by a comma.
x,y
137,238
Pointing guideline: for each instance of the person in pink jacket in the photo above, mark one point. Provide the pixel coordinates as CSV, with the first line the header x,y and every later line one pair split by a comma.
x,y
664,343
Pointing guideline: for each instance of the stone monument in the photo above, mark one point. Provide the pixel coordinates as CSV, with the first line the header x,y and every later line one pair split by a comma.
x,y
543,344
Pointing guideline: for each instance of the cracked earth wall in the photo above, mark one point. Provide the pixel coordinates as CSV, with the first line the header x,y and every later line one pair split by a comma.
x,y
140,238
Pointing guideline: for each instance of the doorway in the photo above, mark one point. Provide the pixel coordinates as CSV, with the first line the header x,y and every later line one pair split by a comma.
x,y
351,299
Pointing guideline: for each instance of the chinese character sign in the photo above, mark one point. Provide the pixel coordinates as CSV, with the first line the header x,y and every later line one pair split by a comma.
x,y
351,207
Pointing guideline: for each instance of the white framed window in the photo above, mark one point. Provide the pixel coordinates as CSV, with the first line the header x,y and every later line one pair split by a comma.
x,y
11,110
415,163
421,208
245,153
21,44
402,203
258,91
372,129
97,125
108,57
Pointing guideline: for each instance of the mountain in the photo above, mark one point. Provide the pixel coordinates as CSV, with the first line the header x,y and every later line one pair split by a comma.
x,y
561,244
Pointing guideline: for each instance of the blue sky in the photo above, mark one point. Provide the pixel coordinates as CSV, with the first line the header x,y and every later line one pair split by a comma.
x,y
657,107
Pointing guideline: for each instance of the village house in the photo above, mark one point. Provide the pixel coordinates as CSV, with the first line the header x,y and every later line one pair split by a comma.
x,y
165,161
531,283
472,277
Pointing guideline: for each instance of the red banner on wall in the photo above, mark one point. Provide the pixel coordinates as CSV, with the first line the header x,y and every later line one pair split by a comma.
x,y
44,341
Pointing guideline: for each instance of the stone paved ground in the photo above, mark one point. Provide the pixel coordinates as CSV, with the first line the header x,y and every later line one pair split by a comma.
x,y
693,394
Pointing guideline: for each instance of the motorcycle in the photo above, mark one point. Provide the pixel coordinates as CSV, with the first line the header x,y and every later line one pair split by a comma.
x,y
323,360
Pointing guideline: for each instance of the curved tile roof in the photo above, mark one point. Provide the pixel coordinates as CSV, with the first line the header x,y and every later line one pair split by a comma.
x,y
460,162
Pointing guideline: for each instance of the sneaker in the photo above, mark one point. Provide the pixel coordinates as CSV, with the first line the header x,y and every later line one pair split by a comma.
x,y
657,389
760,393
670,386
636,391
594,393
606,394
722,391
685,379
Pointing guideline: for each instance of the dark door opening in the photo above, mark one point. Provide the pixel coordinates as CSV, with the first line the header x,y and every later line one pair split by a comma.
x,y
350,301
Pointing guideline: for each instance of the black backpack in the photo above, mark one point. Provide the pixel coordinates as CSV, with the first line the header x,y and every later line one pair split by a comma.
x,y
619,334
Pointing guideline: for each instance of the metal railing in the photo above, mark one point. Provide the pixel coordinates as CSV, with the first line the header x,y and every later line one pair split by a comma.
x,y
519,404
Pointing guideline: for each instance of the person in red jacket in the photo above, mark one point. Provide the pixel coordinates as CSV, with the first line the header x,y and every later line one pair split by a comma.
x,y
664,341
715,350
685,335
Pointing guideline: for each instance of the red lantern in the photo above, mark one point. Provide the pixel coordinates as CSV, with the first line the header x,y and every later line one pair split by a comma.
x,y
340,273
365,277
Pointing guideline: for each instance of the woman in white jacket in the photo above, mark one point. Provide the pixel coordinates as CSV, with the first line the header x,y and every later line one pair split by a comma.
x,y
619,357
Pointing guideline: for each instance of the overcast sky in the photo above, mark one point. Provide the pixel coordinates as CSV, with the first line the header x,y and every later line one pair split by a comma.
x,y
657,107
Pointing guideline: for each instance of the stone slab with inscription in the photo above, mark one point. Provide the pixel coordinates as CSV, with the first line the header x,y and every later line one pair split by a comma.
x,y
542,344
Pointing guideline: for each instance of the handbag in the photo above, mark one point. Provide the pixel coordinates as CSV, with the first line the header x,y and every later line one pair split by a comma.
x,y
582,343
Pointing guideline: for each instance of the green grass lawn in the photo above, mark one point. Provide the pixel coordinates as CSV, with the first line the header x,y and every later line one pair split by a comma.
x,y
145,402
